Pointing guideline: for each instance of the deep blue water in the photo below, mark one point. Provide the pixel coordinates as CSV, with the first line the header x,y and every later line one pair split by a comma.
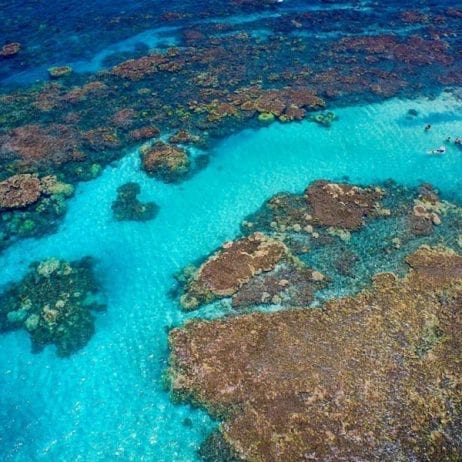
x,y
84,34
107,402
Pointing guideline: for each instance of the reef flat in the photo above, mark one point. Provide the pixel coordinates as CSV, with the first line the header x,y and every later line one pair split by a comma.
x,y
376,376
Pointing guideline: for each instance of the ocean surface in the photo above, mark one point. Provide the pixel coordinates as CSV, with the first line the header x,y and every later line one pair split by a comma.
x,y
107,402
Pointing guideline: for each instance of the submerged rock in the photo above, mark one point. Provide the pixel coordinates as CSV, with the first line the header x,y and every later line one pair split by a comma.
x,y
376,376
59,71
53,302
10,49
127,207
164,161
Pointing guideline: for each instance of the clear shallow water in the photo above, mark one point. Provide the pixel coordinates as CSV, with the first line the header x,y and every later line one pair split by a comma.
x,y
107,402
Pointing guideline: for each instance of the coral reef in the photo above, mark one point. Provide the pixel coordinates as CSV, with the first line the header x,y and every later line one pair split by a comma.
x,y
334,236
40,144
53,302
235,264
324,118
31,206
51,186
341,205
137,69
19,191
165,161
286,103
184,137
266,117
376,376
127,207
290,283
144,133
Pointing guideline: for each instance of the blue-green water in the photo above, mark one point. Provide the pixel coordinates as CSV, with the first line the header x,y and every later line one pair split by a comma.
x,y
107,402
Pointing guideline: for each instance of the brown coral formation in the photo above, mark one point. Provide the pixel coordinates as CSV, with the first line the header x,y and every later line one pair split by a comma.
x,y
34,143
437,264
237,262
413,50
376,376
421,221
101,138
327,234
58,72
425,212
288,283
164,161
287,102
144,133
19,191
341,205
184,137
137,69
256,269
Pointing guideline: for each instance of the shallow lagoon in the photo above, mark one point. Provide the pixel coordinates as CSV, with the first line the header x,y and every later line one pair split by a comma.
x,y
107,402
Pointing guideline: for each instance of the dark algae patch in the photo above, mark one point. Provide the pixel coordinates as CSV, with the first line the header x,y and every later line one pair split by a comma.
x,y
127,207
216,449
53,303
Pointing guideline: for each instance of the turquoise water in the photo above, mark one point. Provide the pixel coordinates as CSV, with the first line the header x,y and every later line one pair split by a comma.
x,y
107,402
